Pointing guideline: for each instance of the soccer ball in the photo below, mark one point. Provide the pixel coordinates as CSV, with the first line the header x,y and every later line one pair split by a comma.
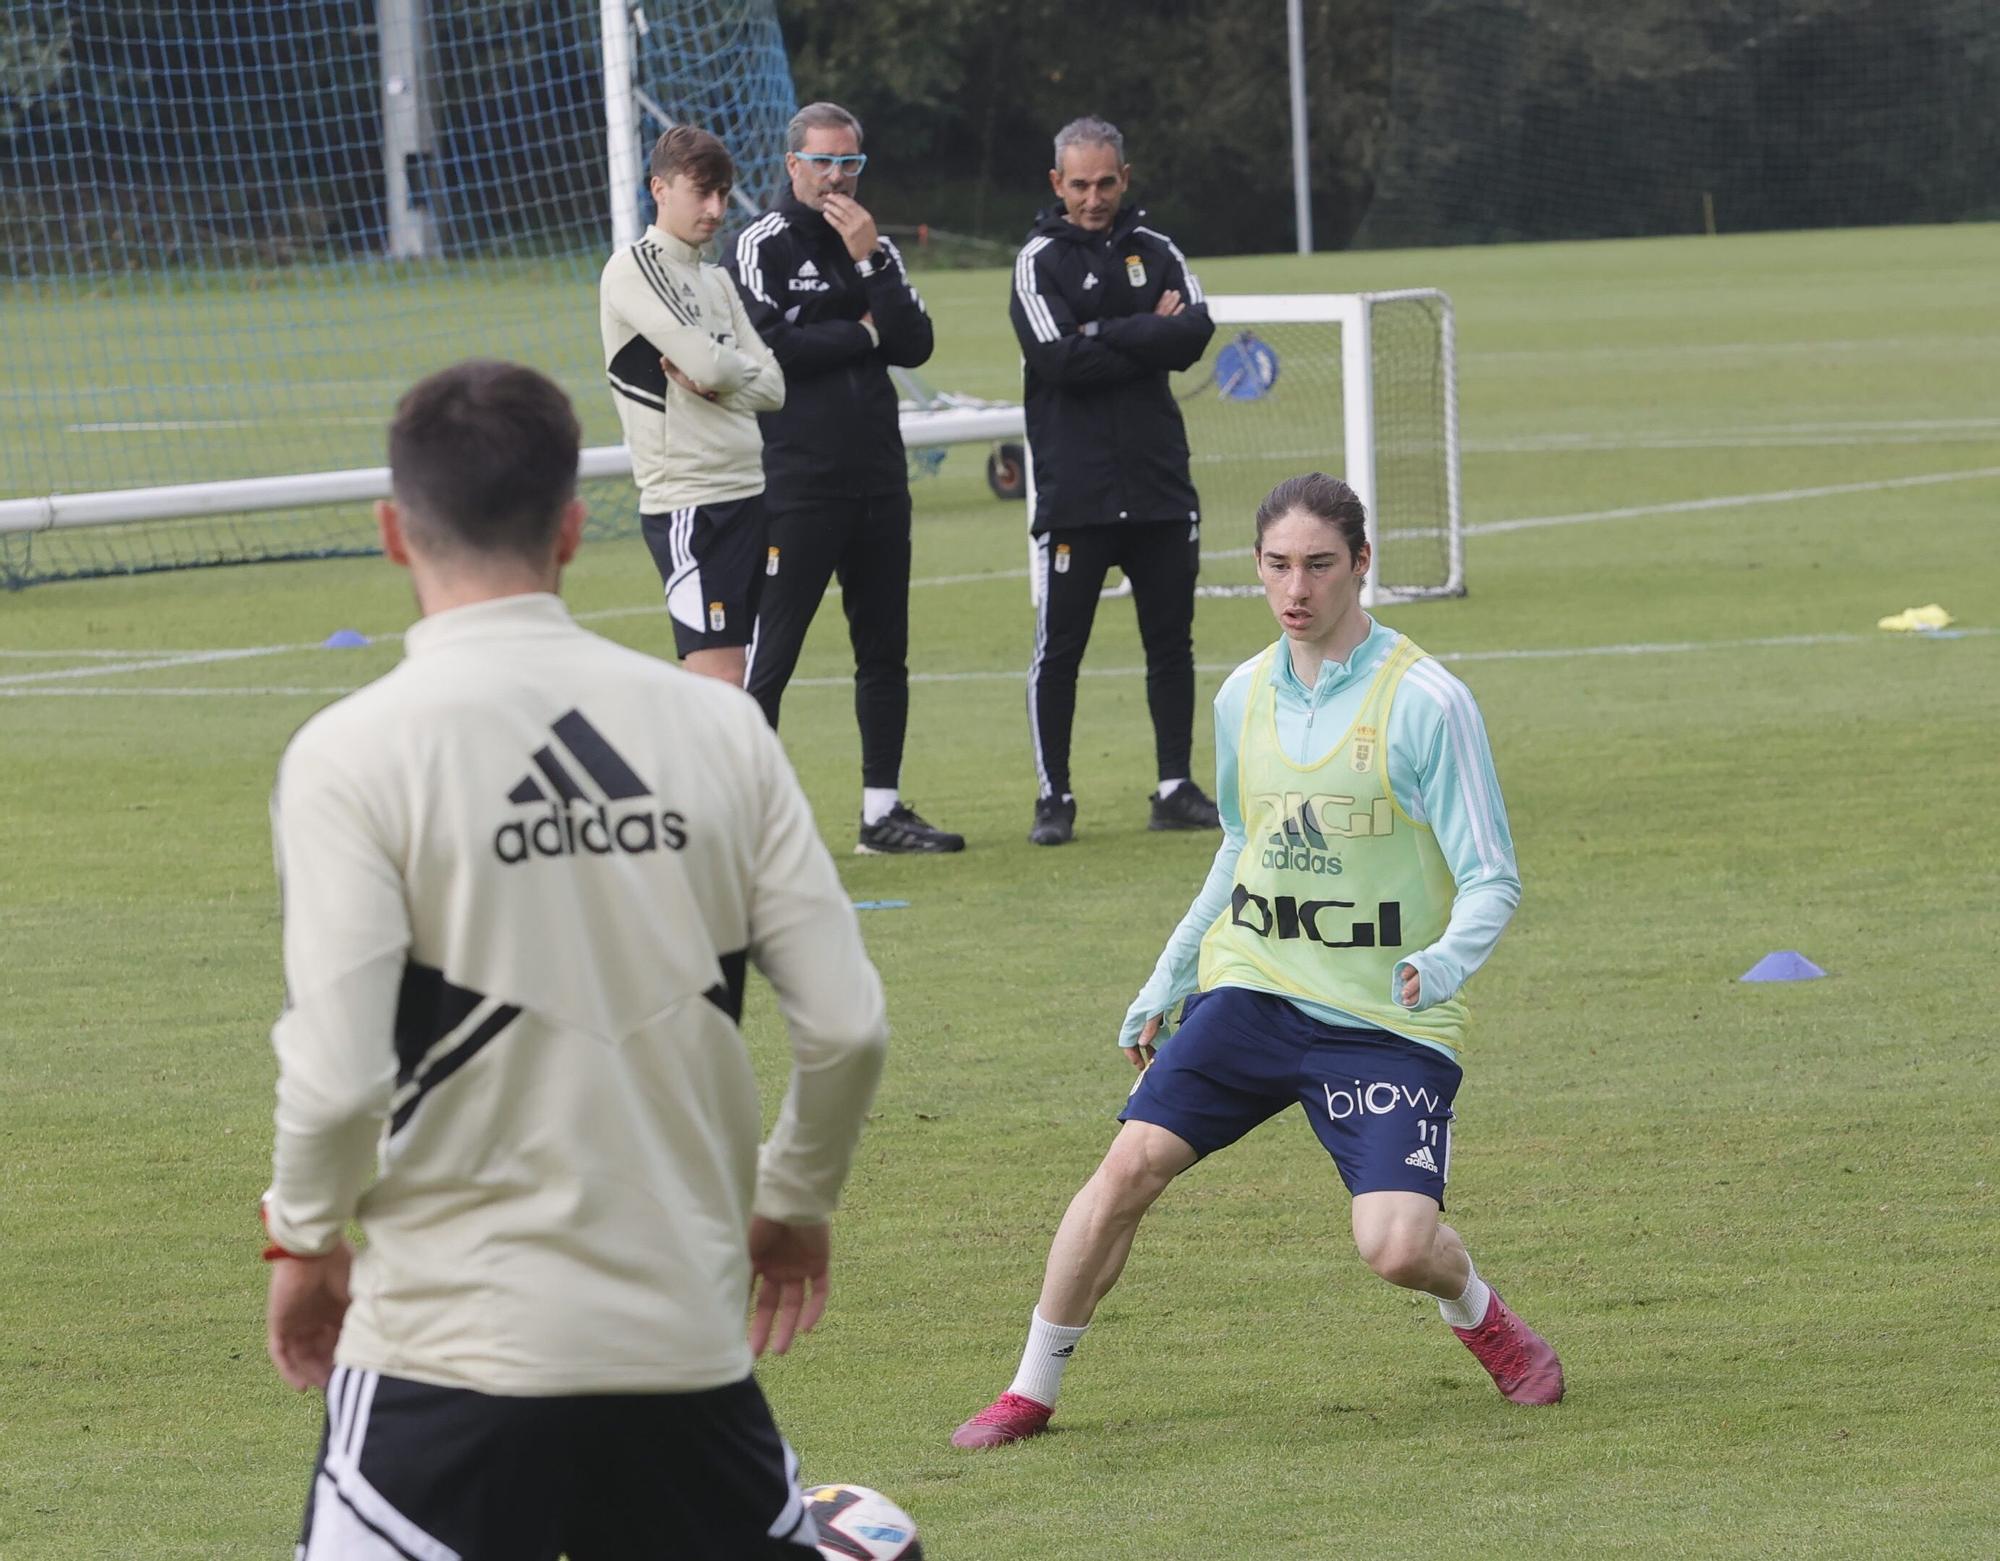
x,y
857,1524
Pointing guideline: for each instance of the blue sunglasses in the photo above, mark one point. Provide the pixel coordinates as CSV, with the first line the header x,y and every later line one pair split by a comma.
x,y
827,162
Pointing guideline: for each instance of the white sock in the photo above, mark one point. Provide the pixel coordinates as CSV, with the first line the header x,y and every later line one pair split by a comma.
x,y
1168,788
1050,1346
1469,1310
877,802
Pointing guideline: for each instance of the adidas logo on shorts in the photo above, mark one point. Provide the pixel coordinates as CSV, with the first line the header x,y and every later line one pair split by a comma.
x,y
1421,1159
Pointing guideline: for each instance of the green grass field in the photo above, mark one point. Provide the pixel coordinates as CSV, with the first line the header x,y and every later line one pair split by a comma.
x,y
1759,1221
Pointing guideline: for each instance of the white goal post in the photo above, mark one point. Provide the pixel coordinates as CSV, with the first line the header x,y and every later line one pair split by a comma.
x,y
1362,385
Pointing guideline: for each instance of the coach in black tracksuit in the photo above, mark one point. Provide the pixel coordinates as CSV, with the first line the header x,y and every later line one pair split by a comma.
x,y
1105,308
832,299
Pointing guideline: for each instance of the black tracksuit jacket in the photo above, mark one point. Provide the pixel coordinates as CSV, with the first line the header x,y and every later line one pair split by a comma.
x,y
837,433
1104,430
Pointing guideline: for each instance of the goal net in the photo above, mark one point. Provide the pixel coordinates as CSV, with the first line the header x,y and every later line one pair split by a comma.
x,y
231,235
1360,385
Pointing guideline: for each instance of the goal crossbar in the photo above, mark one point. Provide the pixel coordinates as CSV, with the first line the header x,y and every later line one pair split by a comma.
x,y
357,485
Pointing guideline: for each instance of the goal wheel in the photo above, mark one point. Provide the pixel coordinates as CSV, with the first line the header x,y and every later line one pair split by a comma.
x,y
1007,472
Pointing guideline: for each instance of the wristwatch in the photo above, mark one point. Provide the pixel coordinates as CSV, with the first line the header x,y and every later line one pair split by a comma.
x,y
869,264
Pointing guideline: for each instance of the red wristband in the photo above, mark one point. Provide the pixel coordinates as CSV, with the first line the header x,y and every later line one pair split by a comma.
x,y
273,1252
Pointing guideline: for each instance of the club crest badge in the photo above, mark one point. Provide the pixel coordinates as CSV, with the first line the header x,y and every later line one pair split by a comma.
x,y
718,620
1062,558
1364,749
1135,270
771,561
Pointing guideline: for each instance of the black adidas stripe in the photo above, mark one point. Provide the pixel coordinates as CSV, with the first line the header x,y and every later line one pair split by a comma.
x,y
428,1008
654,271
653,403
452,1061
727,994
602,762
560,778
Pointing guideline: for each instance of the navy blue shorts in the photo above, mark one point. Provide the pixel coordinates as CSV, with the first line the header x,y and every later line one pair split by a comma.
x,y
1380,1104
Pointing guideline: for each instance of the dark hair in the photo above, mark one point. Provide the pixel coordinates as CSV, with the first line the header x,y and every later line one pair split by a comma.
x,y
696,153
482,459
1323,497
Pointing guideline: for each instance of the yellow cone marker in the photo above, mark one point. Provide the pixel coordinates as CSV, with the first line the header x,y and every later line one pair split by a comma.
x,y
1915,619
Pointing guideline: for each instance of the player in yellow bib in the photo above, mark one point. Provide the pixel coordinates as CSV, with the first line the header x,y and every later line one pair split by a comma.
x,y
1366,872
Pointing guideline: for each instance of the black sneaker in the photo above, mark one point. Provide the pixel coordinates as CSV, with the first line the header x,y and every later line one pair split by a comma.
x,y
900,832
1186,807
1055,821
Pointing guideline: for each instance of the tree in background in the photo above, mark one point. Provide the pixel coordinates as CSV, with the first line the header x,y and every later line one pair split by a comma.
x,y
961,99
1432,121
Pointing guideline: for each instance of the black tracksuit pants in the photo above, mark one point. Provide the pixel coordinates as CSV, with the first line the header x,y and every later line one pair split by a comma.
x,y
865,541
1161,559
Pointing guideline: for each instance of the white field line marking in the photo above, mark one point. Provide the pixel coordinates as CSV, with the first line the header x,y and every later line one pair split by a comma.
x,y
1729,501
1015,675
165,658
150,664
181,425
1980,345
389,386
1606,444
101,653
1768,436
273,690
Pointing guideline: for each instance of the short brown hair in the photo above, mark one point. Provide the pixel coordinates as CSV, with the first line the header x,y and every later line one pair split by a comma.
x,y
1326,498
482,459
696,153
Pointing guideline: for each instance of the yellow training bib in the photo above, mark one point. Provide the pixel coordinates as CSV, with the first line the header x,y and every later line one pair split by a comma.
x,y
1336,883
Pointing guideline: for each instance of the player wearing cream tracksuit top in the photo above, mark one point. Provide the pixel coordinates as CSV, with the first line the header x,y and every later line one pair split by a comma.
x,y
522,877
698,459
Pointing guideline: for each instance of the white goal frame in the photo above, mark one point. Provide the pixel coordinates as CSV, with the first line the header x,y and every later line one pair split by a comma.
x,y
921,428
1353,313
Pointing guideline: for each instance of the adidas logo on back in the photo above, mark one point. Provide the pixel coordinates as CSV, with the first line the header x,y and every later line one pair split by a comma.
x,y
577,823
808,269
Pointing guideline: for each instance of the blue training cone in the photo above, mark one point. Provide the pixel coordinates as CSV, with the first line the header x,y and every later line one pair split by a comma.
x,y
344,639
1784,965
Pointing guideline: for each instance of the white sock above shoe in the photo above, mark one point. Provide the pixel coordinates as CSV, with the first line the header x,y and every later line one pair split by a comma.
x,y
1050,1346
877,803
1169,787
1469,1310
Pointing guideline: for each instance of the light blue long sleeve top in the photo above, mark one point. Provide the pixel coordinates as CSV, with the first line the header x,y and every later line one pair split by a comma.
x,y
1441,770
